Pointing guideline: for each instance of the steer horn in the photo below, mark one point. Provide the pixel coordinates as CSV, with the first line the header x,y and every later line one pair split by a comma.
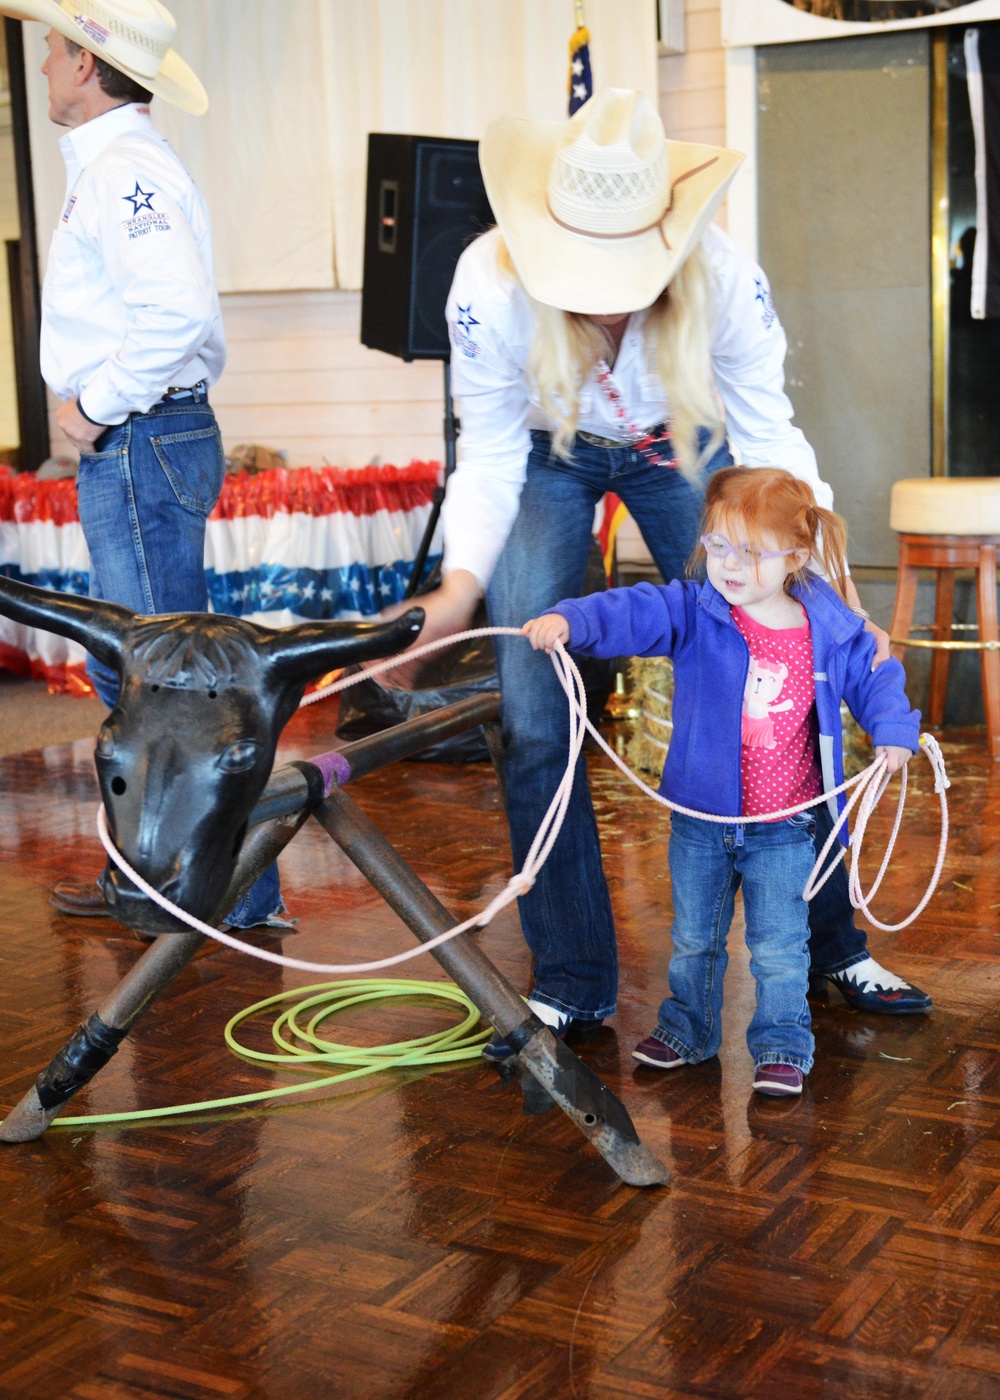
x,y
299,654
99,626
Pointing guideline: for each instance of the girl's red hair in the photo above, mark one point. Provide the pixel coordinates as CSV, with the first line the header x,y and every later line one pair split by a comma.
x,y
768,498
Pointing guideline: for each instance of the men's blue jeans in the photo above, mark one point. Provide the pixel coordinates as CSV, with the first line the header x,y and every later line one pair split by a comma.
x,y
566,917
708,863
143,498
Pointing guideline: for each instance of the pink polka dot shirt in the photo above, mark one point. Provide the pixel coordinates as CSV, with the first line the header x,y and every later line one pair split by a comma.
x,y
780,733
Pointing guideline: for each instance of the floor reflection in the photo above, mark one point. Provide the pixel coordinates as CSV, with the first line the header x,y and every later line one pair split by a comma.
x,y
420,1235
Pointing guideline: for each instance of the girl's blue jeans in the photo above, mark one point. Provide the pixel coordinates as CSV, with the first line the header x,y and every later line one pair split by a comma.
x,y
566,917
708,864
143,498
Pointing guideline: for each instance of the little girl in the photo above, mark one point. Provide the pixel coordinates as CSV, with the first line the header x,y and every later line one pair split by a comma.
x,y
763,654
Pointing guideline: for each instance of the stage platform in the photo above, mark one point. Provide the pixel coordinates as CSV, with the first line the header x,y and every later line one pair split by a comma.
x,y
420,1237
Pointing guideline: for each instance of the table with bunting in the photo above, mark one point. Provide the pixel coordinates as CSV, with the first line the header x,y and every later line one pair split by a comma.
x,y
282,546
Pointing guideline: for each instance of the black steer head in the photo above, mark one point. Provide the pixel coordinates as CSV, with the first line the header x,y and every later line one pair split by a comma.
x,y
187,750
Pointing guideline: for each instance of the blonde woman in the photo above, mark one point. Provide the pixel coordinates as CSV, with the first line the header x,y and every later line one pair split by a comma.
x,y
605,337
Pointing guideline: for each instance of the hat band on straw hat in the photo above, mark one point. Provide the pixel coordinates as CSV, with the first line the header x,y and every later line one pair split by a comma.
x,y
143,53
634,232
627,233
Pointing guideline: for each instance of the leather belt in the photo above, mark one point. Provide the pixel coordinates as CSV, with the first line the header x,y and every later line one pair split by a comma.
x,y
658,431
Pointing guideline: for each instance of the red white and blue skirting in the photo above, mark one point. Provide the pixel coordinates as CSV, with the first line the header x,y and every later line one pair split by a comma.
x,y
282,546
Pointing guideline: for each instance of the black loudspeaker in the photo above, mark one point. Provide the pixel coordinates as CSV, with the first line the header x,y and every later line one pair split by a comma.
x,y
426,202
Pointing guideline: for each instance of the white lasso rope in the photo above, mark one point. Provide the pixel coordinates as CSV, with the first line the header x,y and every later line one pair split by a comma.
x,y
870,783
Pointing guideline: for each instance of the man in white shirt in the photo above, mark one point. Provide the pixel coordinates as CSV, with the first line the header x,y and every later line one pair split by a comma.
x,y
131,329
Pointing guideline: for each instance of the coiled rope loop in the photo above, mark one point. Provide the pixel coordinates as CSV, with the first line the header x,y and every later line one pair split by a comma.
x,y
302,1047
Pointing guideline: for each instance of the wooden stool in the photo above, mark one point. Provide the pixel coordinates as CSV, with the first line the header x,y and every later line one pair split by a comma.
x,y
947,524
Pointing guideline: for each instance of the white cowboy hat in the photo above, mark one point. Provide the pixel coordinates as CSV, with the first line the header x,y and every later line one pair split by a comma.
x,y
134,36
599,212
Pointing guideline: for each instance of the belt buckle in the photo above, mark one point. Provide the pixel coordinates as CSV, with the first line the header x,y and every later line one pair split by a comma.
x,y
177,390
656,432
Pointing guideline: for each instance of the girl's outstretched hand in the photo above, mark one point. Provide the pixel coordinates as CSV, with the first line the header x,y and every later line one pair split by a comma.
x,y
897,757
544,632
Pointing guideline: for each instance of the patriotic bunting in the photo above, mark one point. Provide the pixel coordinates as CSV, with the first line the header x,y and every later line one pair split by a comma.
x,y
282,546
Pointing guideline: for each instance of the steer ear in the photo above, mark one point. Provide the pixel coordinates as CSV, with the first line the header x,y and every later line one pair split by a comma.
x,y
300,654
99,626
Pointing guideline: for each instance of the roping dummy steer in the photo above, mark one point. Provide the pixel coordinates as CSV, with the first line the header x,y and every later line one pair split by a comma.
x,y
185,754
183,760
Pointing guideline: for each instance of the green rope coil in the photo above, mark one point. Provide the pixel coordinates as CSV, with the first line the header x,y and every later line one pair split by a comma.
x,y
302,1047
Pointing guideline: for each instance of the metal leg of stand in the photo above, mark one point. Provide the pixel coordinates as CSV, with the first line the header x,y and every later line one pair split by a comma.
x,y
578,1091
94,1043
452,428
493,732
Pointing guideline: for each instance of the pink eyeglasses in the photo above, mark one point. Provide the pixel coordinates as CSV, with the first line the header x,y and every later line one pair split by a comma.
x,y
719,548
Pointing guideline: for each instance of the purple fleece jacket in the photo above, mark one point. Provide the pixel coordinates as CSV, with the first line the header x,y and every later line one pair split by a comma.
x,y
691,623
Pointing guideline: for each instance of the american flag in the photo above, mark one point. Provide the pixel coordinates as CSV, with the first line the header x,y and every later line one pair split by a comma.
x,y
581,80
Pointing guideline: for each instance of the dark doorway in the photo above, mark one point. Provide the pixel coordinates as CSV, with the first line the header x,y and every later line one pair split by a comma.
x,y
24,430
974,351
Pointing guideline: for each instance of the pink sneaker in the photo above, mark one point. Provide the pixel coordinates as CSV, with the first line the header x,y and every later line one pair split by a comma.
x,y
652,1051
778,1081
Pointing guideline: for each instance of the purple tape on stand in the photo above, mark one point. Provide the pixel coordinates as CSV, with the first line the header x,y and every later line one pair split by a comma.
x,y
335,769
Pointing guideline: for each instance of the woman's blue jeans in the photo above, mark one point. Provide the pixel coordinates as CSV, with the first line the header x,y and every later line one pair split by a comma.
x,y
566,917
708,864
143,499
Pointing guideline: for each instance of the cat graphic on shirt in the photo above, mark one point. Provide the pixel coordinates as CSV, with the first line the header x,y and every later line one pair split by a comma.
x,y
764,682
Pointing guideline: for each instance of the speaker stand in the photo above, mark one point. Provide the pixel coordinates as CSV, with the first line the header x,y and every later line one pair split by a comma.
x,y
452,428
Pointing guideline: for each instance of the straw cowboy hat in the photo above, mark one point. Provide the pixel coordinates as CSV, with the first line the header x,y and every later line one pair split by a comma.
x,y
134,36
599,212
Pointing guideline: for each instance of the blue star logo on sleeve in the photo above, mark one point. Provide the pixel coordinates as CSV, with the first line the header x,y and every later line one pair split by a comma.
x,y
464,338
142,199
768,315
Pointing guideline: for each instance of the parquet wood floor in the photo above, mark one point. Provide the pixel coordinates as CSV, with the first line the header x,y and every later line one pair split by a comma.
x,y
421,1237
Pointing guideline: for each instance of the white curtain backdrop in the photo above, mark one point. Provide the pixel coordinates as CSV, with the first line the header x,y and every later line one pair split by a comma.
x,y
296,85
448,67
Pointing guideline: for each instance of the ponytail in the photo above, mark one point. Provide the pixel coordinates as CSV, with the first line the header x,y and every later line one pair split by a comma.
x,y
829,534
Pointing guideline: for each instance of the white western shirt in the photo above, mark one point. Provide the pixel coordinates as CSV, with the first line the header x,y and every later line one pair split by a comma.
x,y
129,306
491,326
